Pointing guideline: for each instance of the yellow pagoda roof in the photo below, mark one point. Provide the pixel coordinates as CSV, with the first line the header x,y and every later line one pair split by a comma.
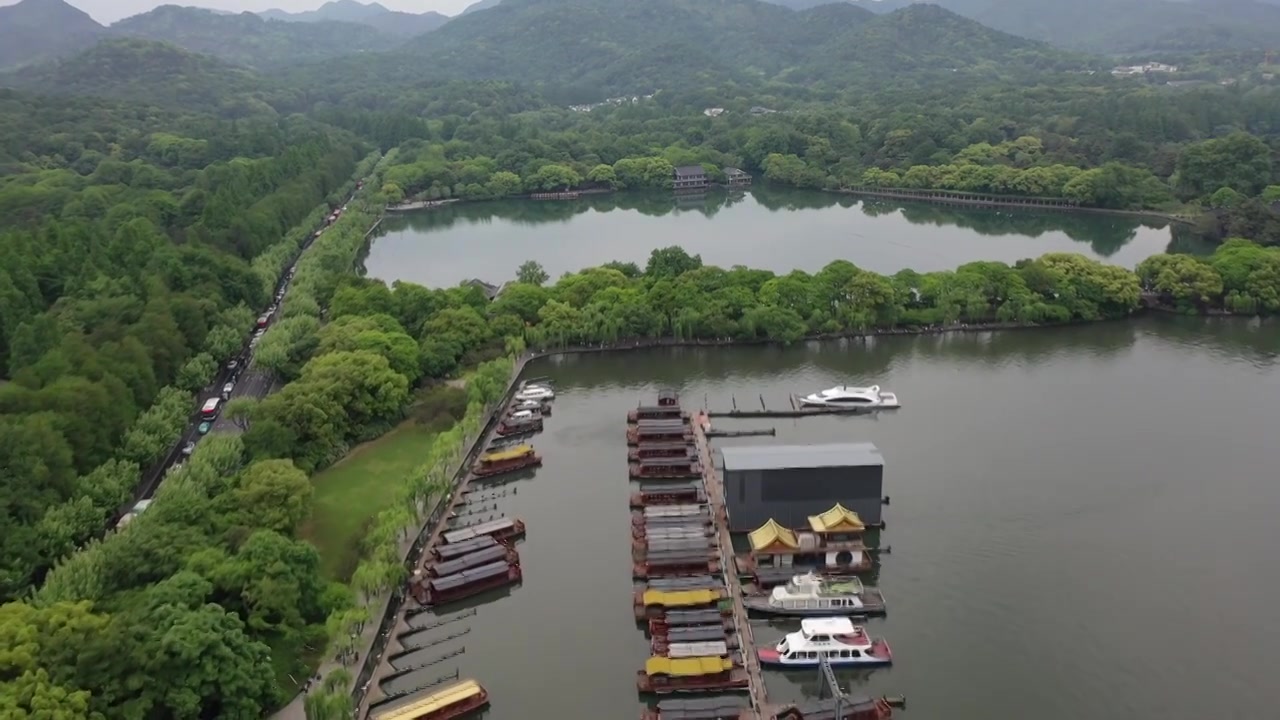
x,y
770,533
434,702
515,452
686,667
680,598
837,519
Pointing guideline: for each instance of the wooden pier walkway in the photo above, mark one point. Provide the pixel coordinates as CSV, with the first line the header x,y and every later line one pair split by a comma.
x,y
793,410
716,498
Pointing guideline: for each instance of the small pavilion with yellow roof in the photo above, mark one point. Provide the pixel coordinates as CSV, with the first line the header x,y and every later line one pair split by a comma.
x,y
839,524
834,537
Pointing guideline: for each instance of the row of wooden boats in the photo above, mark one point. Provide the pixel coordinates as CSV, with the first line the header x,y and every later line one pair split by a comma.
x,y
470,560
683,604
523,416
448,702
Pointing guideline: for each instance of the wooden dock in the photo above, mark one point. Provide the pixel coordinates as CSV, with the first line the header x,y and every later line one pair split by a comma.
x,y
716,498
793,410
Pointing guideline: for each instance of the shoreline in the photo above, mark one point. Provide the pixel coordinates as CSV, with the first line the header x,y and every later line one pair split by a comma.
x,y
904,195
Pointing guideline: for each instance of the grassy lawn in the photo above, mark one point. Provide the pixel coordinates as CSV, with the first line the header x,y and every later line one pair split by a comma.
x,y
349,494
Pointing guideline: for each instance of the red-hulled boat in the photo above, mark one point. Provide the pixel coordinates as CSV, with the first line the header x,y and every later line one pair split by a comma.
x,y
663,626
666,468
689,493
451,701
476,543
488,555
504,461
662,448
656,412
519,426
438,591
675,563
699,674
502,529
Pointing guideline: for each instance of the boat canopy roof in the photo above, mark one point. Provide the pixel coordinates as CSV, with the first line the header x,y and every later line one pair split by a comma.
x,y
770,534
470,532
827,626
431,703
507,454
680,598
838,519
686,667
697,648
472,575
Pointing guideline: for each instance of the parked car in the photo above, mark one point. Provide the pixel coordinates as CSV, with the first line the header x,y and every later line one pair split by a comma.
x,y
189,448
226,390
204,428
233,365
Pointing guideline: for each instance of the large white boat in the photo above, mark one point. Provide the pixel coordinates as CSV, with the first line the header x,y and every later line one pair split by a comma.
x,y
847,396
838,639
813,596
535,392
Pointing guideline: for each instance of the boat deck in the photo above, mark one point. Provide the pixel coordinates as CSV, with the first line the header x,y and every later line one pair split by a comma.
x,y
715,496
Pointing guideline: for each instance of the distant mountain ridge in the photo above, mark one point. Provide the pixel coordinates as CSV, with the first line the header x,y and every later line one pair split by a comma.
x,y
585,48
375,15
35,31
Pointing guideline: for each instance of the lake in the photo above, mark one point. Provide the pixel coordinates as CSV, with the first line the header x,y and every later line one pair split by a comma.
x,y
1083,523
779,229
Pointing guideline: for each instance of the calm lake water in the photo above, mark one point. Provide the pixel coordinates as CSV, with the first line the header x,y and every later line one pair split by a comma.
x,y
770,228
1083,524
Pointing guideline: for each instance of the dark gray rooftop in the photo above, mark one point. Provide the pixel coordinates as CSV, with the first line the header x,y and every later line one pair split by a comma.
x,y
774,457
688,170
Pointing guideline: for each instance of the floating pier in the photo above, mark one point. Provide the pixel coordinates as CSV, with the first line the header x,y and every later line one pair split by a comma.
x,y
793,410
720,523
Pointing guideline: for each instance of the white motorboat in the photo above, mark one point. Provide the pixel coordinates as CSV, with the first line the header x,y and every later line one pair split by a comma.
x,y
535,392
847,396
838,639
814,596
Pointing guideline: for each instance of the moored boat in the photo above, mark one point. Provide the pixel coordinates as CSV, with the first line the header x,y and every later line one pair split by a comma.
x,y
838,639
647,431
519,426
656,412
720,614
505,461
452,701
653,604
488,555
852,398
535,392
500,529
696,674
849,708
809,595
715,642
450,551
711,708
662,448
538,405
665,468
676,562
668,494
451,588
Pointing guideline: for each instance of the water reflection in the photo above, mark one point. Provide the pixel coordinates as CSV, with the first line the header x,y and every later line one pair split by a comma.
x,y
770,227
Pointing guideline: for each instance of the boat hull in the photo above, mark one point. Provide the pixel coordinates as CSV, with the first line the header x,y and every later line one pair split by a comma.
x,y
878,656
733,680
492,469
760,604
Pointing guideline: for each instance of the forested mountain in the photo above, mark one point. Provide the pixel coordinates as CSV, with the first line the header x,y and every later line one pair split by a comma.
x,y
247,39
589,49
36,30
375,15
150,73
39,30
1119,26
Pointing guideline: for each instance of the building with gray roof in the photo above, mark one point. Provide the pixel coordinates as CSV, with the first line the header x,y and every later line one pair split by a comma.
x,y
791,483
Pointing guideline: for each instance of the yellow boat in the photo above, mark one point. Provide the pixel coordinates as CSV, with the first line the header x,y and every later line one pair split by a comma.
x,y
687,667
508,454
679,598
448,702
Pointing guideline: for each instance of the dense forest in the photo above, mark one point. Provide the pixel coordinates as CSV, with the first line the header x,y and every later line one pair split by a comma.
x,y
152,197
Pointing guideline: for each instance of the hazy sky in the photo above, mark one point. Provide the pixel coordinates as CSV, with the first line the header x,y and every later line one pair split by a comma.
x,y
107,11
